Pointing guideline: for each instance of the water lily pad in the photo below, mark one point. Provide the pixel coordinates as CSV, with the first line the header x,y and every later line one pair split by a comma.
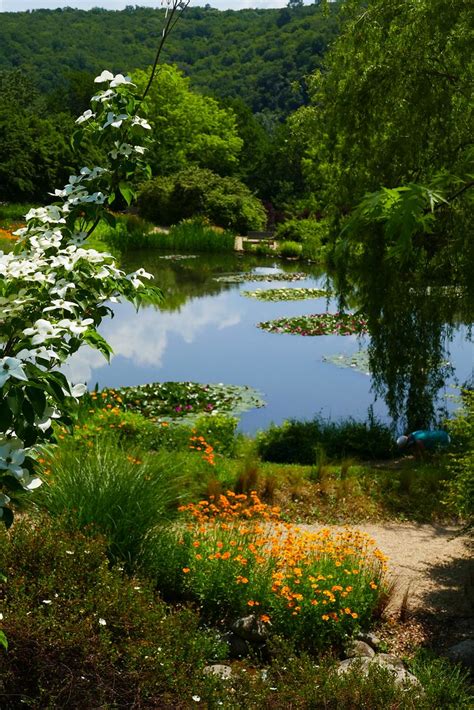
x,y
317,324
286,294
357,361
178,257
175,400
277,276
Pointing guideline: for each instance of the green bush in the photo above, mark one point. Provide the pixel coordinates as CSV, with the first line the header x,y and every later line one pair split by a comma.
x,y
225,201
136,431
302,441
289,249
84,635
302,230
461,461
130,233
110,488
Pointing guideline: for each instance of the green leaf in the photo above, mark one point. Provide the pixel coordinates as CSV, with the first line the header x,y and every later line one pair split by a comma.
x,y
37,398
95,340
3,641
126,192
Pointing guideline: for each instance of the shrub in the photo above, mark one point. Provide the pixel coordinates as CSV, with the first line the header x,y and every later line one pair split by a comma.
x,y
225,201
300,441
315,588
289,249
84,635
461,461
135,429
302,230
111,489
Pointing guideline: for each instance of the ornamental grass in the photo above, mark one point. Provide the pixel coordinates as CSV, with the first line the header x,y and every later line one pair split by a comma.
x,y
234,555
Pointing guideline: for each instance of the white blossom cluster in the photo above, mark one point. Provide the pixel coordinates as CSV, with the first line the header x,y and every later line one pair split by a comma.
x,y
53,289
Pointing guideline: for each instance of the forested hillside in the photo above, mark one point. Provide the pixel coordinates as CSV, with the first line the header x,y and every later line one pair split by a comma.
x,y
261,56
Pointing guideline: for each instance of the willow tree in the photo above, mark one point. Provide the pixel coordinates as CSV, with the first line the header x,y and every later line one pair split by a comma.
x,y
393,109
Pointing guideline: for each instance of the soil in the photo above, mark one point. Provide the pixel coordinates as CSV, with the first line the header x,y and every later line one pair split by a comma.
x,y
432,567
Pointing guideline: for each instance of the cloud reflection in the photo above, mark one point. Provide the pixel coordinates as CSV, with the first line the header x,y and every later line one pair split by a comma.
x,y
143,337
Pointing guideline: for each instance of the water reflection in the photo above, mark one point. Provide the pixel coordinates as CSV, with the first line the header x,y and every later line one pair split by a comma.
x,y
412,322
205,331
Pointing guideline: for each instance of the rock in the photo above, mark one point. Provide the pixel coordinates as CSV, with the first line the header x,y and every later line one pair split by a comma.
x,y
463,652
238,648
359,648
385,660
370,638
250,629
389,661
218,669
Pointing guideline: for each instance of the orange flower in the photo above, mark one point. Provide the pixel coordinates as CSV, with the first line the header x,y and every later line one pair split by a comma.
x,y
186,570
265,618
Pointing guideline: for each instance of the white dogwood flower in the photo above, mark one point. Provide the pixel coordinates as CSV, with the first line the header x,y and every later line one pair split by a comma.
x,y
105,76
11,367
115,120
121,79
88,114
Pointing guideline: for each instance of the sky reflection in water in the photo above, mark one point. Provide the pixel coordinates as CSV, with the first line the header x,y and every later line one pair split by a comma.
x,y
213,337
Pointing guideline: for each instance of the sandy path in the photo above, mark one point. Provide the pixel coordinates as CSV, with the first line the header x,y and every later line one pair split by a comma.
x,y
437,568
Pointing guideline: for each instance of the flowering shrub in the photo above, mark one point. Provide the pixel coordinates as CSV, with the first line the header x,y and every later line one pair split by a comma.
x,y
53,289
234,555
317,324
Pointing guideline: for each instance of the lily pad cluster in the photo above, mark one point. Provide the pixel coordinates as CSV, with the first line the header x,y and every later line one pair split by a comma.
x,y
286,294
318,324
357,361
277,276
176,400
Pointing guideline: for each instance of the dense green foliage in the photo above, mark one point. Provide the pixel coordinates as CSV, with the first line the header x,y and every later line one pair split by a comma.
x,y
147,654
461,490
304,441
188,128
258,55
393,110
34,151
225,201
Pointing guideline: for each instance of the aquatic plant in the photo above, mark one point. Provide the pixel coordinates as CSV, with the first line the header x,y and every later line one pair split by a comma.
x,y
176,400
252,276
286,294
318,324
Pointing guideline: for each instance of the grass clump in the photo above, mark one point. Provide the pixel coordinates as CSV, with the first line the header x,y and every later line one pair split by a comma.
x,y
289,250
233,555
301,441
196,235
110,489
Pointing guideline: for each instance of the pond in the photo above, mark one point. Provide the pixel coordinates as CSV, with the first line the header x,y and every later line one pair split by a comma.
x,y
205,331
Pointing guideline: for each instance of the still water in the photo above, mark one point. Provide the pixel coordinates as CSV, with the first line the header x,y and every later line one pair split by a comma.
x,y
205,331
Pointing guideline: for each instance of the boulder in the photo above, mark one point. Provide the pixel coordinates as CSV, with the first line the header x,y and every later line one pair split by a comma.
x,y
463,653
385,660
370,638
359,648
251,629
